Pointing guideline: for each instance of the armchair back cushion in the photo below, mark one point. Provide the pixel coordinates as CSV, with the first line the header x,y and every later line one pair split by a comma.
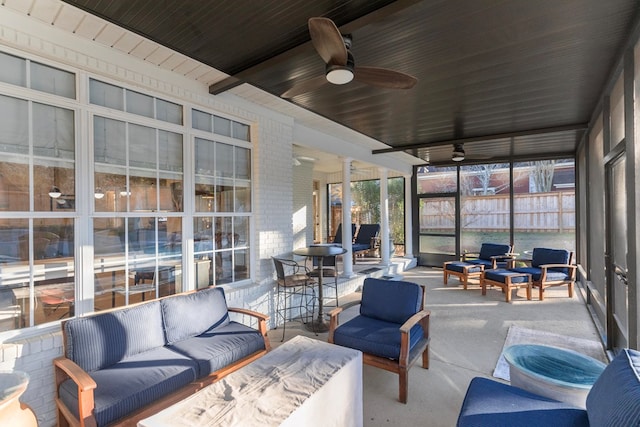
x,y
614,399
189,315
96,342
488,250
366,232
390,301
542,256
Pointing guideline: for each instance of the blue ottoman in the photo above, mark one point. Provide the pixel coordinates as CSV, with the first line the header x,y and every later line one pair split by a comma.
x,y
506,280
557,373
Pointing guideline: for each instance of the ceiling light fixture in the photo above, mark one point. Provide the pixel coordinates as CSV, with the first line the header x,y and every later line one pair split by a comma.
x,y
458,153
55,192
340,74
99,194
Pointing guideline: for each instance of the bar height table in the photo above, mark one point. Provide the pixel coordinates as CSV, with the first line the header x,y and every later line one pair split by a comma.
x,y
320,251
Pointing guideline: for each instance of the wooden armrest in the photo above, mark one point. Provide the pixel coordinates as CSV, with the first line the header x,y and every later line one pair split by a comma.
x,y
65,368
248,312
262,322
470,255
333,319
546,266
413,320
75,372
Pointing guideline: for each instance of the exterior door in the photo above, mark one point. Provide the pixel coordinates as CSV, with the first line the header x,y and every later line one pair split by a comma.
x,y
616,259
438,219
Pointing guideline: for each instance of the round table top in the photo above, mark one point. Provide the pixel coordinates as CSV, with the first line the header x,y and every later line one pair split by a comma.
x,y
556,365
320,250
12,384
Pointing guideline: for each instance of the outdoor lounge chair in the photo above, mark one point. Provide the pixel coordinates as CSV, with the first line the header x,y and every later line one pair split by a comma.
x,y
491,255
549,267
337,239
366,239
392,329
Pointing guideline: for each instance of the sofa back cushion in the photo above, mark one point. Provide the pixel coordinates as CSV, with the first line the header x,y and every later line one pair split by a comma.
x,y
487,250
542,256
390,300
614,399
98,341
190,315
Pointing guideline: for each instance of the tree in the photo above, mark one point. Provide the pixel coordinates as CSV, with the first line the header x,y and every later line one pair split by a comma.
x,y
542,176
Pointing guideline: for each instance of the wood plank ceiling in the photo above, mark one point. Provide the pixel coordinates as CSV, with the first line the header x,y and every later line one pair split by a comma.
x,y
510,78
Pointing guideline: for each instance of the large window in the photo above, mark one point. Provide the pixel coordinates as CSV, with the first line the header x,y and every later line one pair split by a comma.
x,y
37,195
110,172
540,199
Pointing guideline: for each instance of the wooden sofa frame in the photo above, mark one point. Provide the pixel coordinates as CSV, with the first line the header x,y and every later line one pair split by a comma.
x,y
67,369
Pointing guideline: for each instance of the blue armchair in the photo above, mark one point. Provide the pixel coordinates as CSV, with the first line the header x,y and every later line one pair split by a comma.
x,y
550,267
614,400
392,329
491,255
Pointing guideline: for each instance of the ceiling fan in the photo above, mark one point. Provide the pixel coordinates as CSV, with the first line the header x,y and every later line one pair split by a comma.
x,y
458,154
335,50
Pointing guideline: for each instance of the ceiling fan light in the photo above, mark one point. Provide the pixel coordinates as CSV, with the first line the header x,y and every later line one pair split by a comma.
x,y
339,74
458,153
55,192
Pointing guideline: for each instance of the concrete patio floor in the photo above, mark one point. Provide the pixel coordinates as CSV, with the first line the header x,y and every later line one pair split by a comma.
x,y
467,334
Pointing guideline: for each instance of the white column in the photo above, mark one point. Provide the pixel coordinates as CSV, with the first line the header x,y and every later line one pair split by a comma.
x,y
408,218
347,238
384,217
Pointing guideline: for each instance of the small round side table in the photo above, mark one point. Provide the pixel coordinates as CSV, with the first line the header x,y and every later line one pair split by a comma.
x,y
12,411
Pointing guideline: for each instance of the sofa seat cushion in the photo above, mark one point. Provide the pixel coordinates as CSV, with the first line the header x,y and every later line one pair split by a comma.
x,y
134,382
491,403
374,336
614,399
536,274
459,266
500,276
220,347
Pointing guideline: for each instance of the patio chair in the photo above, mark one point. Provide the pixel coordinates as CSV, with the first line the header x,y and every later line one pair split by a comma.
x,y
392,329
337,239
549,267
295,288
491,255
366,239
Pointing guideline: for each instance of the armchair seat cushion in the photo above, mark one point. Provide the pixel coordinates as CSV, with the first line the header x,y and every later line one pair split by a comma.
x,y
459,266
129,384
491,403
220,347
536,274
374,336
358,247
501,276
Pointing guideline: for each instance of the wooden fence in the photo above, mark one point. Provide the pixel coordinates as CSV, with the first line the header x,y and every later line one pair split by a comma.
x,y
548,212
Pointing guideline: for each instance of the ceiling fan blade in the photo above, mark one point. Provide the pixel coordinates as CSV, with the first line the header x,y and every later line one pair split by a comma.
x,y
327,40
305,86
383,77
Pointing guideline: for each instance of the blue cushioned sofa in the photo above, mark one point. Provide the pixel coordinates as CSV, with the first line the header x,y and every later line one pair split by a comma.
x,y
614,400
128,363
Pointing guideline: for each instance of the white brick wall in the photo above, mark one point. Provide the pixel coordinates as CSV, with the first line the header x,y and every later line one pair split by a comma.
x,y
272,204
